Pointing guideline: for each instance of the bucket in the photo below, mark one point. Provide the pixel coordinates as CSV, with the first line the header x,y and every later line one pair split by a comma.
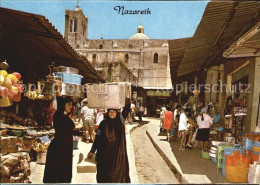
x,y
247,143
255,148
228,151
41,157
256,144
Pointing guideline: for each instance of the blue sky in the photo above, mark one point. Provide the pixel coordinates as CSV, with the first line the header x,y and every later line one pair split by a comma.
x,y
168,19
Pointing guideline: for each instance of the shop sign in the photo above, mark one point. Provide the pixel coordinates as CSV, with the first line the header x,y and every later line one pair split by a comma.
x,y
240,111
158,93
150,93
167,93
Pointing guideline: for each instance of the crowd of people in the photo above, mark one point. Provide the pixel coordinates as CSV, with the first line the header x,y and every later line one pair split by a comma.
x,y
188,125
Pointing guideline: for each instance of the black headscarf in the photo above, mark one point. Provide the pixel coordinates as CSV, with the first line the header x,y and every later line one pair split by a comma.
x,y
112,123
61,102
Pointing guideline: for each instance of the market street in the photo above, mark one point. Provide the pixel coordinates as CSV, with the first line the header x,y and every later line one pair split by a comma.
x,y
151,168
168,95
148,171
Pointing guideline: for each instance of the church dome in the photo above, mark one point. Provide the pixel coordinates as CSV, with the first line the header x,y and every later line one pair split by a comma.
x,y
140,26
139,36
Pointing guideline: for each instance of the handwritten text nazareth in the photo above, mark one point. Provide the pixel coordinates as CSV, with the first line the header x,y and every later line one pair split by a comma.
x,y
121,9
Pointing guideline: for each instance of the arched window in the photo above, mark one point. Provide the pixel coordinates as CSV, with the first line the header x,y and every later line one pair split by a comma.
x,y
94,59
140,31
100,46
75,25
126,58
71,24
130,46
155,58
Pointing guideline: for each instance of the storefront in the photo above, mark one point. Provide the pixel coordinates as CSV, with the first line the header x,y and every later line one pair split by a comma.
x,y
31,45
157,99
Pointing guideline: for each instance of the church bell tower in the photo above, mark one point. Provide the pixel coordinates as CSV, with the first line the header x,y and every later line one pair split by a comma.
x,y
76,27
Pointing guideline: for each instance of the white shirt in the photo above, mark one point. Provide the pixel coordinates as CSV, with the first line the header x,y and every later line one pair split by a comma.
x,y
183,122
175,114
100,117
132,106
87,113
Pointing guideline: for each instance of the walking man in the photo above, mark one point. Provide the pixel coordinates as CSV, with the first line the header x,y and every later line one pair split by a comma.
x,y
88,120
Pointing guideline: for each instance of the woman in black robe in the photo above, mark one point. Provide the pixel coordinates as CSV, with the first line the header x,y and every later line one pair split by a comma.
x,y
58,168
110,144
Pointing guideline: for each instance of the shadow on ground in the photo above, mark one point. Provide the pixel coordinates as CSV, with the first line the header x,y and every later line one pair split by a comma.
x,y
191,162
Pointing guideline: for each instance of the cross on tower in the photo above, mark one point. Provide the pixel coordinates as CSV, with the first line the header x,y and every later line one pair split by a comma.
x,y
140,19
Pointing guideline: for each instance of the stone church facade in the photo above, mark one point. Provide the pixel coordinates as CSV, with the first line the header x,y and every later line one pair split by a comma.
x,y
142,61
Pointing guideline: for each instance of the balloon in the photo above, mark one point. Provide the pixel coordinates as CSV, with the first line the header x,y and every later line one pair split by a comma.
x,y
4,73
13,77
3,91
17,97
15,89
2,79
20,87
10,94
18,75
7,83
4,102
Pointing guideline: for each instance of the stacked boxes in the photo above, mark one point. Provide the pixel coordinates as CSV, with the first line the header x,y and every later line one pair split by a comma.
x,y
8,145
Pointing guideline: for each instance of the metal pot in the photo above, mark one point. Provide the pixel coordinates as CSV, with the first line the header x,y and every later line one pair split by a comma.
x,y
68,70
72,90
46,87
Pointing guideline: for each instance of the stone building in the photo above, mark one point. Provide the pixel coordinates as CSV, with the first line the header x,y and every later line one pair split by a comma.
x,y
140,60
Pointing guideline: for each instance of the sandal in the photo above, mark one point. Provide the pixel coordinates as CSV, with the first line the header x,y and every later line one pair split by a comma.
x,y
181,148
188,145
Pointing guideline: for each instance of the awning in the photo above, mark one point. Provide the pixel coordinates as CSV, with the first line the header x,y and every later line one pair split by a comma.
x,y
222,23
246,46
176,52
30,43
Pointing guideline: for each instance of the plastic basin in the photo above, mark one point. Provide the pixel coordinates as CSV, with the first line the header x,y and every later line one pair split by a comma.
x,y
205,155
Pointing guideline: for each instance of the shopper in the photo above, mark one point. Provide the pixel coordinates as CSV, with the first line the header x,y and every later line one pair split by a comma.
x,y
88,120
99,117
58,168
168,118
110,144
191,129
183,127
204,121
132,112
176,115
162,115
141,112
